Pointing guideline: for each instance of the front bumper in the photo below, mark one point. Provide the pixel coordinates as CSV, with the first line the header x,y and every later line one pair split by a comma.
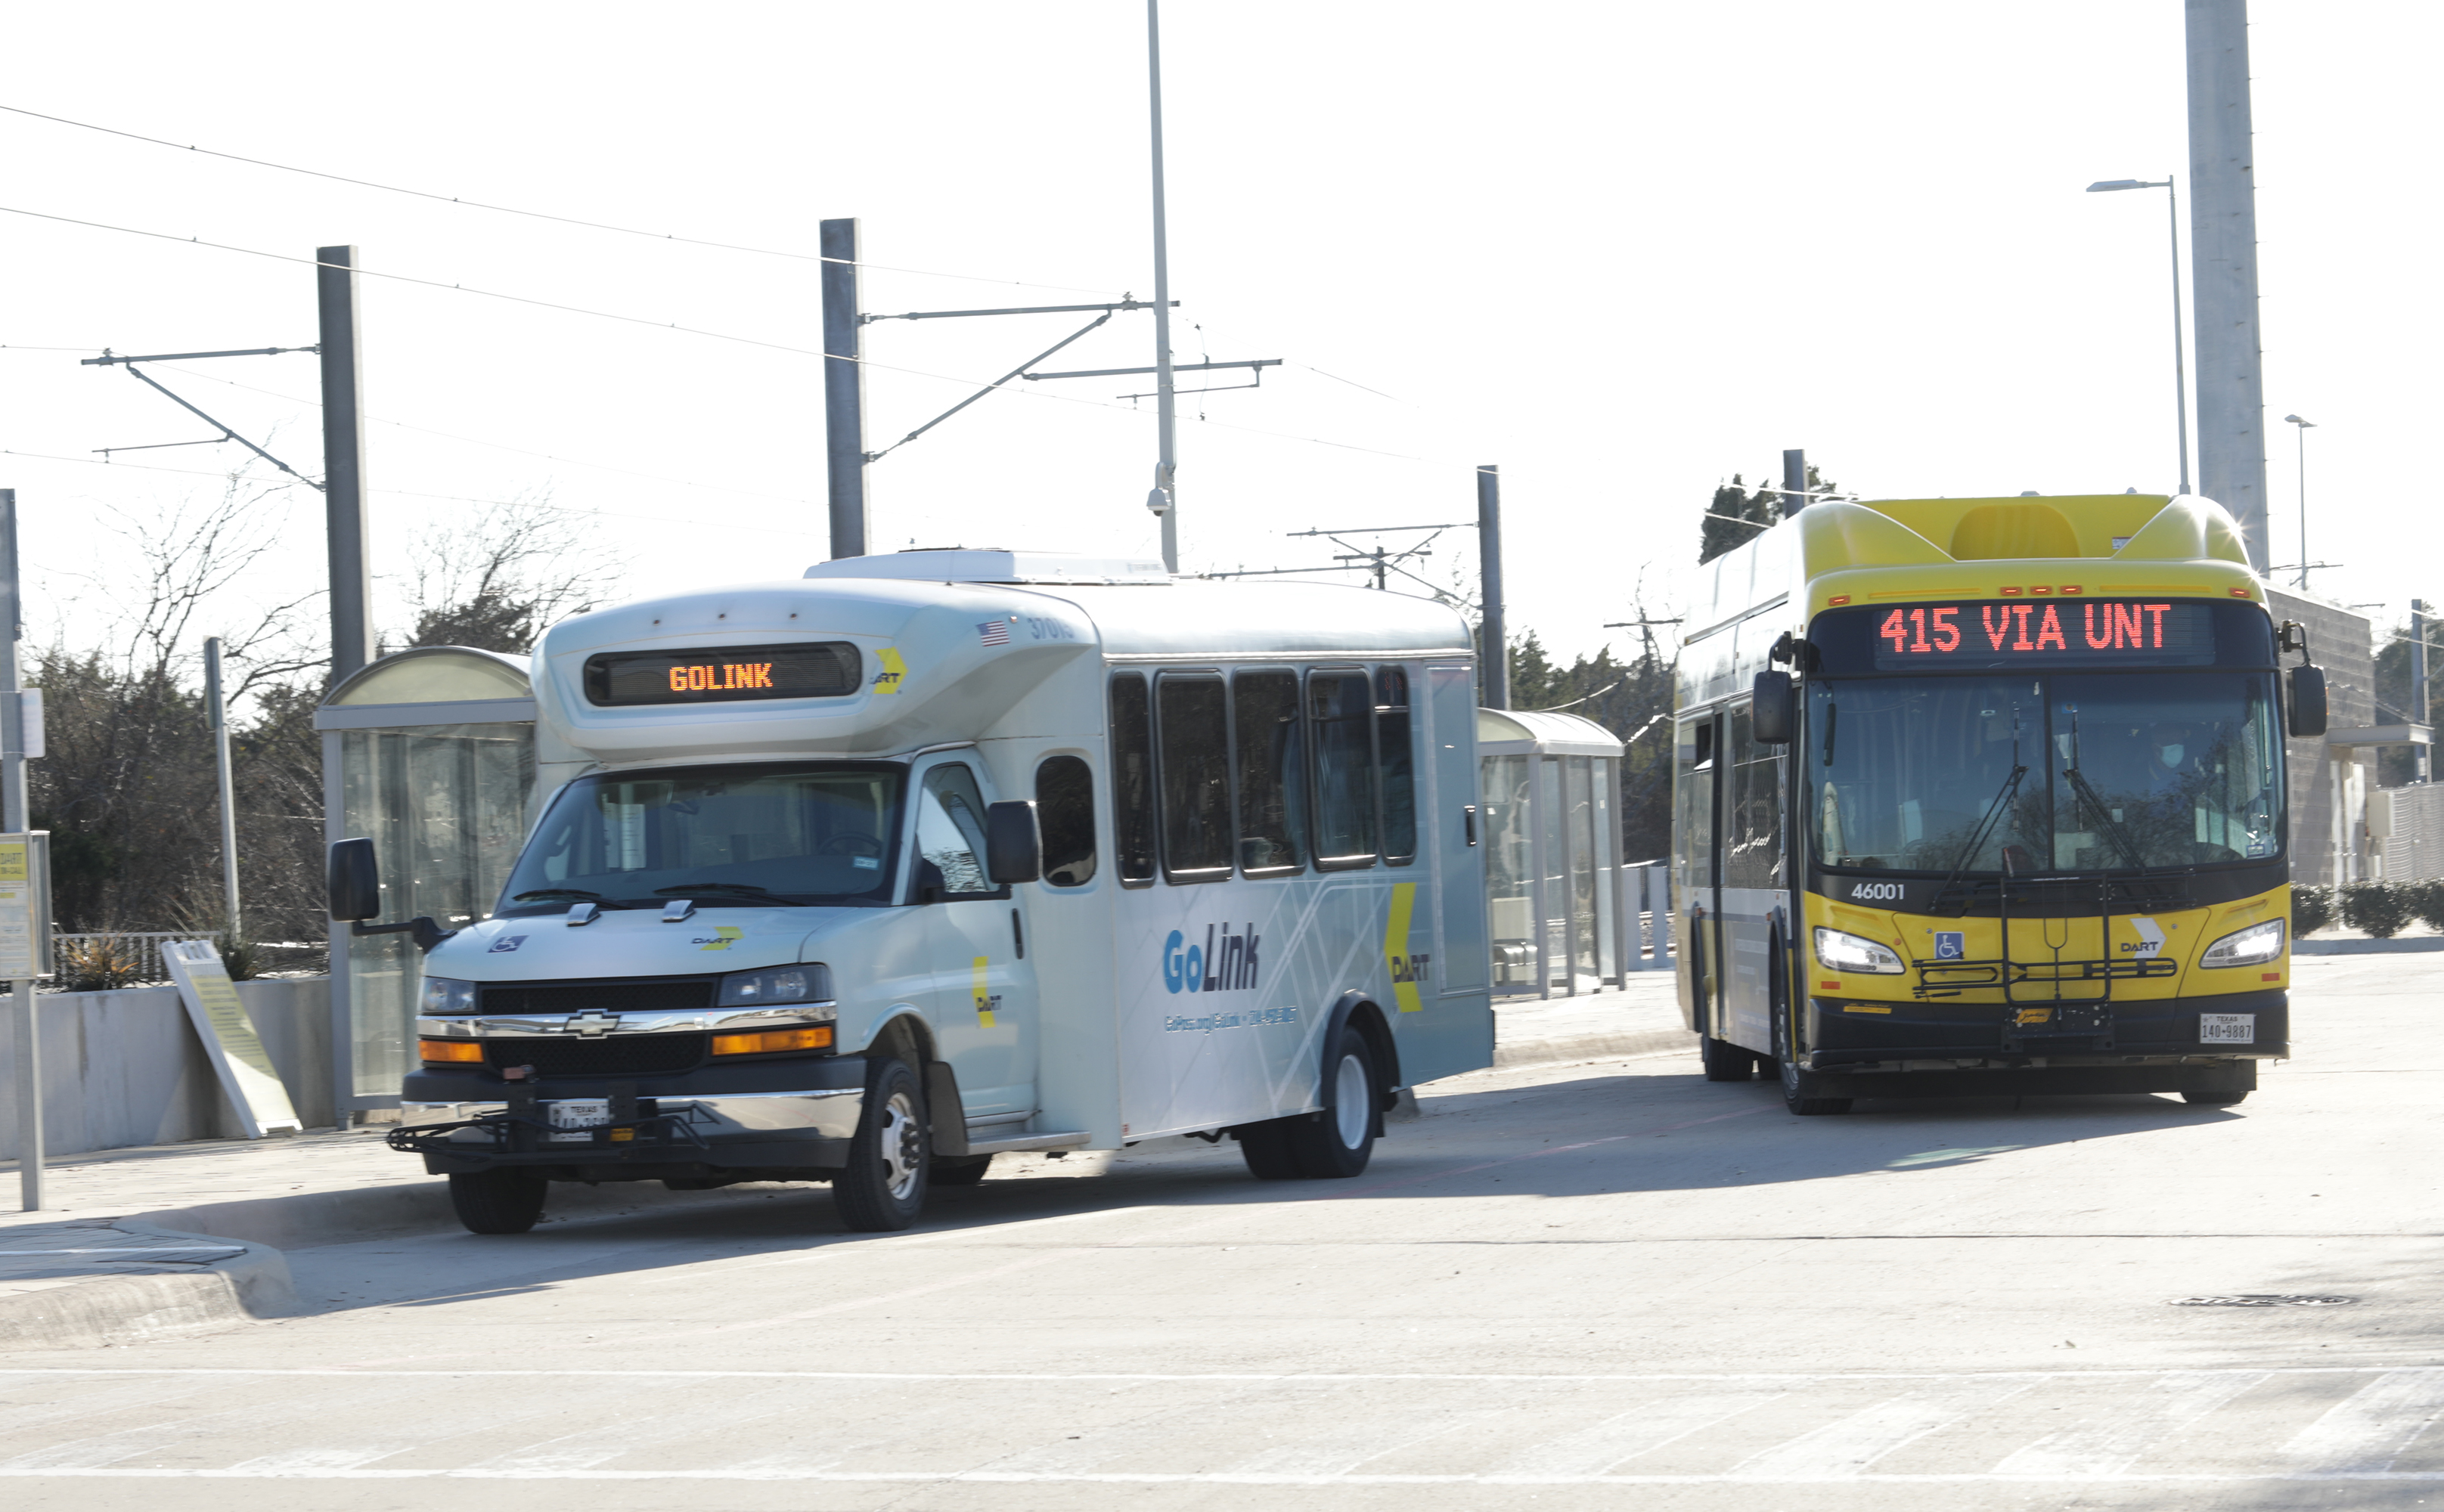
x,y
2132,1031
783,1119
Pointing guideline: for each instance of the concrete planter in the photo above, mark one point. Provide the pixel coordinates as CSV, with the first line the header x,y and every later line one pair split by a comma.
x,y
126,1068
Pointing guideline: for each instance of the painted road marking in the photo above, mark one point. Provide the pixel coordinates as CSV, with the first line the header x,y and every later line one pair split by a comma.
x,y
2365,1430
1843,1449
2120,1432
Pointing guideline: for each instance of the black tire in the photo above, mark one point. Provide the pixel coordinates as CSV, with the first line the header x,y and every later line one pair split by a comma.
x,y
1338,1142
962,1173
1723,1061
2212,1100
1265,1148
883,1188
505,1200
1799,1092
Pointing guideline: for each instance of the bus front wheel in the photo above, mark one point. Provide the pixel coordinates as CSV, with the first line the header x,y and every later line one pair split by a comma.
x,y
883,1188
1799,1092
504,1200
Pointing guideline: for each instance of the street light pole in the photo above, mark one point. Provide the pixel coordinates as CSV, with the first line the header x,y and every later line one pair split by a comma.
x,y
2180,362
2305,426
1164,499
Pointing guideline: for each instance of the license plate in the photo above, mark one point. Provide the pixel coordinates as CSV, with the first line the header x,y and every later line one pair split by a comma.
x,y
572,1117
2227,1028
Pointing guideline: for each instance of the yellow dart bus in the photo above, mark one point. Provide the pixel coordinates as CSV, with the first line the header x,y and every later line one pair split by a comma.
x,y
1987,796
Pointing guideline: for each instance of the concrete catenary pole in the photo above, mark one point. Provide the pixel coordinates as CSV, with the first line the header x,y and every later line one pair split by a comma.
x,y
2417,683
344,458
2223,252
1164,499
217,705
1494,654
1794,482
843,389
12,709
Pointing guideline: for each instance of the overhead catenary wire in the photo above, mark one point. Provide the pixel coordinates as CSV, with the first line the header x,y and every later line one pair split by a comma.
x,y
406,494
532,214
718,336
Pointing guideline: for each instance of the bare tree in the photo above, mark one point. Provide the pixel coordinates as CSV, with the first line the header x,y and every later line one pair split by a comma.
x,y
501,584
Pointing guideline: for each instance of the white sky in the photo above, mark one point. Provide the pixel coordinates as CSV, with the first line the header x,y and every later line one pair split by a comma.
x,y
1621,249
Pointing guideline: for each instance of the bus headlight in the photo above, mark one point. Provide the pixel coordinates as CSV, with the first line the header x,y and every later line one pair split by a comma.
x,y
2249,947
445,995
1851,953
811,982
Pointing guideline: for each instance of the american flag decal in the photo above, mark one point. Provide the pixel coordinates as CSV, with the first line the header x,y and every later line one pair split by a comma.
x,y
995,632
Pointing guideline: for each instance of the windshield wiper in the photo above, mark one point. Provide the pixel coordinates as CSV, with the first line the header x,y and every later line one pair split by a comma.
x,y
2079,785
1986,821
742,889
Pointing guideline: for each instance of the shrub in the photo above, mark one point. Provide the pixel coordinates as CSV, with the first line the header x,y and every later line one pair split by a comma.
x,y
2312,908
2427,901
103,963
2378,908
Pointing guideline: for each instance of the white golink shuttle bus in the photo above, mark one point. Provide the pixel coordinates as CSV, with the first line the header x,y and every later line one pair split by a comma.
x,y
868,876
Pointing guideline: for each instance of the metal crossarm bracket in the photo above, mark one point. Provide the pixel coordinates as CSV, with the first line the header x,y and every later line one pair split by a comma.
x,y
109,359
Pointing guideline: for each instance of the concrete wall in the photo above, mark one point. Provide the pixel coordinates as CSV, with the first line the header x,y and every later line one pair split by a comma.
x,y
126,1068
2329,784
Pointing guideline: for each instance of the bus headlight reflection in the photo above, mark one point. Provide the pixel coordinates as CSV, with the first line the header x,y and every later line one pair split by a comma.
x,y
2248,946
1850,952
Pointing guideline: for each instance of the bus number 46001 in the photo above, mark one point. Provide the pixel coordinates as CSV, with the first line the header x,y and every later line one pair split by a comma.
x,y
1881,892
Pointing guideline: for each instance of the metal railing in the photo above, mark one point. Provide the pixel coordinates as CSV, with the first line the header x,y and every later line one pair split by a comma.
x,y
145,945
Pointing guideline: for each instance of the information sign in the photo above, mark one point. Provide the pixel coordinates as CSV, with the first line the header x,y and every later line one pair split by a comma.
x,y
230,1045
24,906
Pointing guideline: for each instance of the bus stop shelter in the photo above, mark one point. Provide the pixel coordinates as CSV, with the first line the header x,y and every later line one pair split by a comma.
x,y
431,753
1553,877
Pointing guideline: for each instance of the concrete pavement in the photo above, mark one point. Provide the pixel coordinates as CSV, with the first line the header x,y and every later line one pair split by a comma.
x,y
1575,1283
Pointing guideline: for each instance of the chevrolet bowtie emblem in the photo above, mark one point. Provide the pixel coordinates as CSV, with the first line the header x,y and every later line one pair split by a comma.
x,y
593,1023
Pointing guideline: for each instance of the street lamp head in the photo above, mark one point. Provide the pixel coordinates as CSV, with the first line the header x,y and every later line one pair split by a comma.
x,y
2106,186
2304,425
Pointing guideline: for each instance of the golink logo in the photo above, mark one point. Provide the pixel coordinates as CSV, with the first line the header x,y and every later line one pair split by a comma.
x,y
1224,963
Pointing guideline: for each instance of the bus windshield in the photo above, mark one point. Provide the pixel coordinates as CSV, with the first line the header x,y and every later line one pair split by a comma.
x,y
725,837
2026,775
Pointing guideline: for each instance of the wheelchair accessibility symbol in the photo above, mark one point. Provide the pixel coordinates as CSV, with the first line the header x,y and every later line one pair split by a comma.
x,y
1947,944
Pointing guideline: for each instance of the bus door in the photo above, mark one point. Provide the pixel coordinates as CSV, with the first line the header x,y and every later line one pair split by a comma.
x,y
1695,903
1752,872
984,1005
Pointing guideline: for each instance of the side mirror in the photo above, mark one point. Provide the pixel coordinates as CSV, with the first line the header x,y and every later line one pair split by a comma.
x,y
2308,701
1013,850
352,879
1773,710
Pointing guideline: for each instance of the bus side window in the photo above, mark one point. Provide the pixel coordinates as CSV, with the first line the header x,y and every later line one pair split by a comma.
x,y
1340,710
1752,846
1272,776
951,837
1064,814
1397,765
1193,721
1132,778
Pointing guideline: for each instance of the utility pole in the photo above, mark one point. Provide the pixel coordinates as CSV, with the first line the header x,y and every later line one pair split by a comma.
x,y
217,701
1164,499
13,818
2417,683
843,389
344,458
2223,249
1794,482
1494,654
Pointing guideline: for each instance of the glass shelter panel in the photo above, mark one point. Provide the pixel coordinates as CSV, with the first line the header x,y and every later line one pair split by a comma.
x,y
1507,872
1586,911
1552,864
445,806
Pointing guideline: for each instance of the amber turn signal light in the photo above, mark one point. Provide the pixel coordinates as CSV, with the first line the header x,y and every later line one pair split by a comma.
x,y
766,1042
445,1051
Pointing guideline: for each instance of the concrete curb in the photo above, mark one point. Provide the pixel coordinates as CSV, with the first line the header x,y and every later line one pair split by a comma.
x,y
1599,1045
2417,944
122,1309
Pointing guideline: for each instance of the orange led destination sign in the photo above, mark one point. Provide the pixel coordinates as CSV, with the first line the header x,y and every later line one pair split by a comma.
x,y
829,669
2089,632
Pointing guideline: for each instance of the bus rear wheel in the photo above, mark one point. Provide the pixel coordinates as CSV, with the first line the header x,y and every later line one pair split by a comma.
x,y
504,1200
1723,1061
1332,1144
1799,1092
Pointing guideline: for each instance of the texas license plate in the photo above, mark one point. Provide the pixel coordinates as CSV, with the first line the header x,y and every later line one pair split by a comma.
x,y
572,1119
2227,1028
